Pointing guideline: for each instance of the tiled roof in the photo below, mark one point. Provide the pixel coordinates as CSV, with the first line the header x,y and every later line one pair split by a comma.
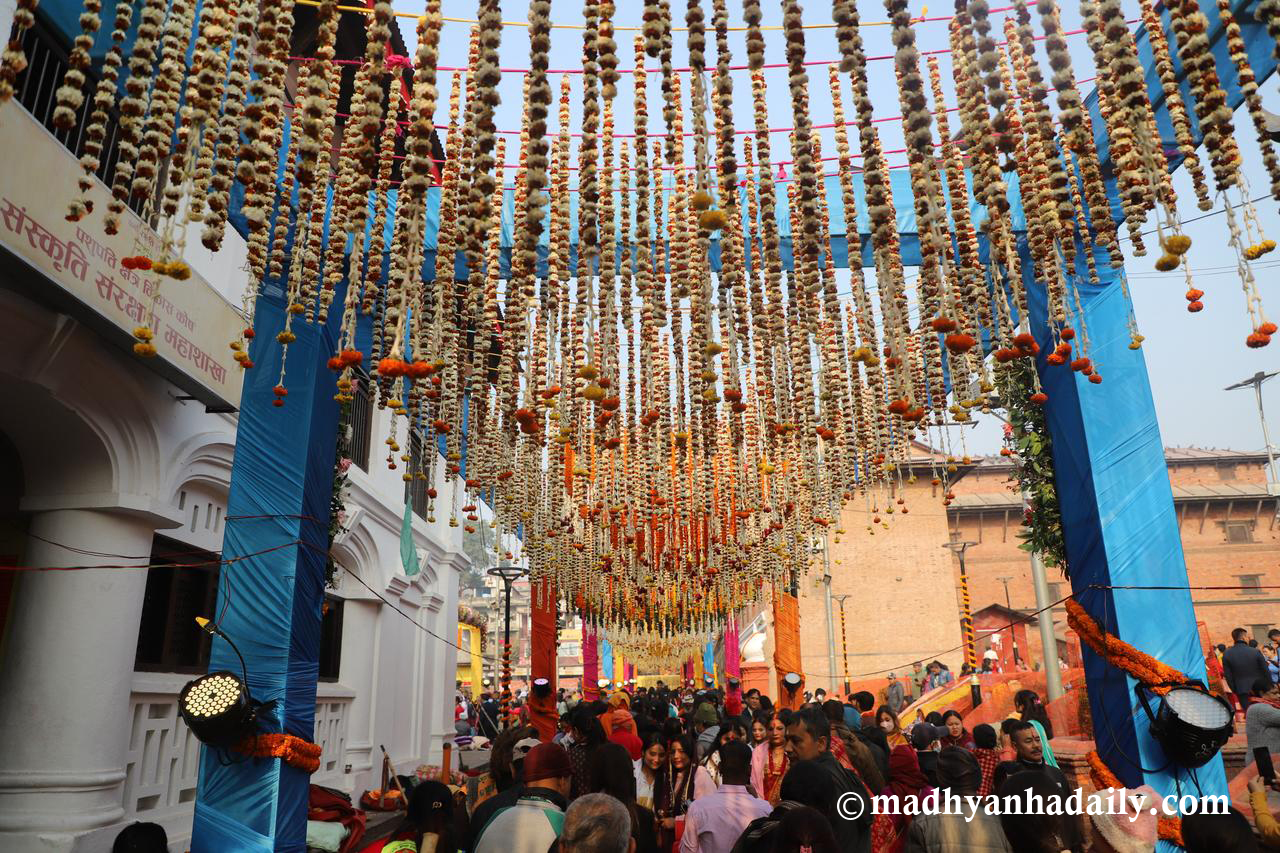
x,y
1217,491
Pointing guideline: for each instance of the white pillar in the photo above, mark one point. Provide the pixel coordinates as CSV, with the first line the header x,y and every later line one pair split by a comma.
x,y
65,679
360,669
7,8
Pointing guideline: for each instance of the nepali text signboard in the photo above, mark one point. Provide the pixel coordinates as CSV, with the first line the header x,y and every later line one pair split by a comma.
x,y
192,323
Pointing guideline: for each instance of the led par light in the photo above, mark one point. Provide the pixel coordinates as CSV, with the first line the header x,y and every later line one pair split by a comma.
x,y
1190,724
217,709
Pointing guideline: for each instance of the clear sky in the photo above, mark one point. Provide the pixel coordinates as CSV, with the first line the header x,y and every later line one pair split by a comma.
x,y
1190,358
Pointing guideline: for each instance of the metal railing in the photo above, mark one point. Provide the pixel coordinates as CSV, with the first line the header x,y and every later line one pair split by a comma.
x,y
356,426
416,488
47,63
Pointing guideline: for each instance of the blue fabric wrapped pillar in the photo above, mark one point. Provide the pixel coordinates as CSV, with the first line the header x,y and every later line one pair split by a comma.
x,y
1120,529
269,604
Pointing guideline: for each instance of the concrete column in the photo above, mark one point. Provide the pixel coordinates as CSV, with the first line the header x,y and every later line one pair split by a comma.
x,y
7,8
360,669
65,679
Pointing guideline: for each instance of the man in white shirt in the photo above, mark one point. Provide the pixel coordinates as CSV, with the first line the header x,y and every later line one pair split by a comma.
x,y
714,822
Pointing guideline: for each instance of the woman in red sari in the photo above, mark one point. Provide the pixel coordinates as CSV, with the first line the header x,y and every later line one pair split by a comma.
x,y
769,761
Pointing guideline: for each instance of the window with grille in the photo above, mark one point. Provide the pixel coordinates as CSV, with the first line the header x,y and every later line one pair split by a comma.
x,y
1251,584
1055,591
416,488
1238,532
356,426
182,584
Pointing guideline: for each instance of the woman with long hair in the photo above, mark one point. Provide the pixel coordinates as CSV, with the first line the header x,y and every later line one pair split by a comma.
x,y
887,720
1027,704
587,734
957,734
730,730
674,789
769,760
759,729
612,772
653,760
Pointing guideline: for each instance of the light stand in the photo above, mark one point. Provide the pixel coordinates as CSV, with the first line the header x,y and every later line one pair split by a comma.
x,y
966,619
844,643
1255,382
508,574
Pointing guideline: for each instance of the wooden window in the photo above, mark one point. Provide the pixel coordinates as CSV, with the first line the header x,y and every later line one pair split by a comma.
x,y
331,638
1238,532
183,584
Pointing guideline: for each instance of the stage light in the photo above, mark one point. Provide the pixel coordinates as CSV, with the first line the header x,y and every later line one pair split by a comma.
x,y
604,682
217,707
541,687
1190,724
791,681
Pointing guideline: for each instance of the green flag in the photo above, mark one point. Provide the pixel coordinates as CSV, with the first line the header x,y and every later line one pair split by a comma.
x,y
408,553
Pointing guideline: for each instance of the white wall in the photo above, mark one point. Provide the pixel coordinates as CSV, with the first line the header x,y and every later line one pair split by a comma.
x,y
98,430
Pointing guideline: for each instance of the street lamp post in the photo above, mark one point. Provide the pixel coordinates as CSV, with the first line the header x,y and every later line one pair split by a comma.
x,y
508,574
1005,580
966,621
844,643
1044,614
1255,382
826,582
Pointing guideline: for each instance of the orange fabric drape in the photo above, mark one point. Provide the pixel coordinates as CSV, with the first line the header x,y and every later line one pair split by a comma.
x,y
786,648
542,658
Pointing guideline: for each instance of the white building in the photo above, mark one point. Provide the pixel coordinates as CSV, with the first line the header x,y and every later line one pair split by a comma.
x,y
111,460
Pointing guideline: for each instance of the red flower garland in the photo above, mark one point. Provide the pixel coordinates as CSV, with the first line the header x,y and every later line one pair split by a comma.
x,y
294,751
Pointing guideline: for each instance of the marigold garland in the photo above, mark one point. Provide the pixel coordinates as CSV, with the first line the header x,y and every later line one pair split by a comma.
x,y
292,750
1168,827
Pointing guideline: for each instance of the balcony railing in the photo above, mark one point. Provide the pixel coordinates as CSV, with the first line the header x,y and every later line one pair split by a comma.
x,y
47,56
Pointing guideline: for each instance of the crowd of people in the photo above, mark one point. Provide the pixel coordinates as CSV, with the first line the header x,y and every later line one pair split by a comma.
x,y
662,770
665,770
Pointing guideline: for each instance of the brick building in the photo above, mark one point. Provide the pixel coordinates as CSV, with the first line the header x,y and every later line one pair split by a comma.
x,y
1229,536
903,585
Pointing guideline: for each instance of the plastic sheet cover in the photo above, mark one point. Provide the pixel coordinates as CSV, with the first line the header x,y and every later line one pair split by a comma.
x,y
269,604
1120,528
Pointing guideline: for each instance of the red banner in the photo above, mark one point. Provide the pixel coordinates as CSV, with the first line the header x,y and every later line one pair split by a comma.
x,y
590,664
542,658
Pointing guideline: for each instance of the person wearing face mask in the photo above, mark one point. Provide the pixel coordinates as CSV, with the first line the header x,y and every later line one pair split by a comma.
x,y
769,760
887,719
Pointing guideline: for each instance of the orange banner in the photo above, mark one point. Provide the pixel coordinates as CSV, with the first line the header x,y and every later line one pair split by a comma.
x,y
786,648
542,658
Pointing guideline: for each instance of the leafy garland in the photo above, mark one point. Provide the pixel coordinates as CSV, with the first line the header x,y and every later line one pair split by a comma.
x,y
1029,446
